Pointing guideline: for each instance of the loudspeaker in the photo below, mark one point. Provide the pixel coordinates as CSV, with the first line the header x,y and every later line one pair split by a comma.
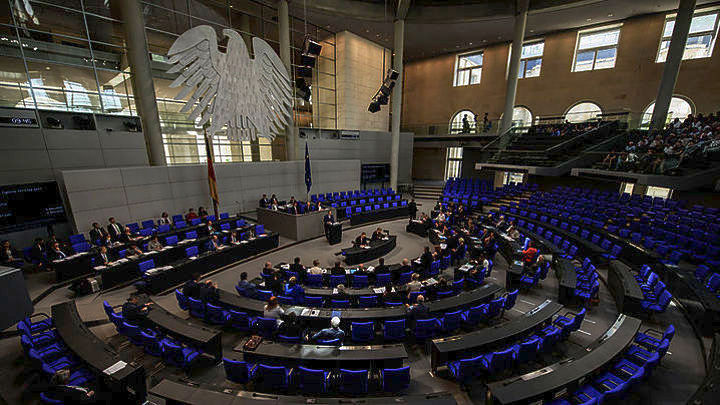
x,y
374,107
303,71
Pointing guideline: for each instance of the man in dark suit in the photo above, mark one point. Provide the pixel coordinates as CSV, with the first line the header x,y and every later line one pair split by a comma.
x,y
405,266
97,233
381,267
133,312
298,268
38,253
114,228
378,234
104,256
337,270
362,240
245,287
275,284
268,269
264,202
9,256
207,291
427,258
328,220
412,209
192,287
56,253
418,310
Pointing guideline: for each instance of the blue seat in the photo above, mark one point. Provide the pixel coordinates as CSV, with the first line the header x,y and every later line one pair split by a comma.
x,y
285,300
405,277
163,228
353,381
132,332
359,282
588,395
271,378
611,385
192,251
362,331
451,321
197,308
235,370
337,280
259,230
465,370
75,239
395,379
394,330
311,381
651,342
148,224
339,303
224,215
151,342
181,300
315,302
264,295
239,320
215,315
527,350
314,280
497,362
191,235
426,328
180,224
146,265
195,221
264,327
510,300
474,315
367,301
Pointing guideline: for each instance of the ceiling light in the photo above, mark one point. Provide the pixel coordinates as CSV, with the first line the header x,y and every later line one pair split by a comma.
x,y
470,43
610,15
589,19
532,30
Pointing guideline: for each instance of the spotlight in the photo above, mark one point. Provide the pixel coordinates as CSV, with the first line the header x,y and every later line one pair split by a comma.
x,y
307,60
382,99
303,71
374,107
53,122
311,47
393,74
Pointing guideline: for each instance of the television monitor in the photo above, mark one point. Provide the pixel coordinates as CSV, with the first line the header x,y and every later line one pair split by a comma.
x,y
32,205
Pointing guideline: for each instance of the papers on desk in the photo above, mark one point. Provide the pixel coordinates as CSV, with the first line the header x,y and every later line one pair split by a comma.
x,y
285,266
167,247
115,368
430,281
244,241
152,252
379,290
310,312
385,238
123,260
417,261
443,246
370,269
98,268
262,284
518,263
365,247
466,267
192,257
335,290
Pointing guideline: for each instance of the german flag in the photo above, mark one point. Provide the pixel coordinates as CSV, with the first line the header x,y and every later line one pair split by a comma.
x,y
212,181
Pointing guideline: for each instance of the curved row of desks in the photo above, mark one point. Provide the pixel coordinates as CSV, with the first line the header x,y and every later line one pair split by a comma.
x,y
377,248
460,346
179,393
124,379
568,374
321,316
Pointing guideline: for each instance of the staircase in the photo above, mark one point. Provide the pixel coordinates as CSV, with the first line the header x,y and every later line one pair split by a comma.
x,y
429,192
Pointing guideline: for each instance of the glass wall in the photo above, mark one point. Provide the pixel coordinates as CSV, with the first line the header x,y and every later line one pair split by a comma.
x,y
70,55
63,55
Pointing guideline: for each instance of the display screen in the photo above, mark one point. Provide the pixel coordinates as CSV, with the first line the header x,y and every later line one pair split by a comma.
x,y
375,173
24,206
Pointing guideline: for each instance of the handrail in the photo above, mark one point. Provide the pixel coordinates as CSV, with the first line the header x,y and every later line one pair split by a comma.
x,y
583,135
500,137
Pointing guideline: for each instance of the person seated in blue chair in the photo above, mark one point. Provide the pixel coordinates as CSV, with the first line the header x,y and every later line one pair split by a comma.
x,y
268,269
381,268
333,332
208,291
294,291
442,286
60,389
209,228
247,288
133,312
290,326
418,310
191,289
213,244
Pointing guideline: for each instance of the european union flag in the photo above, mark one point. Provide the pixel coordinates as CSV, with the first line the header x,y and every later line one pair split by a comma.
x,y
308,174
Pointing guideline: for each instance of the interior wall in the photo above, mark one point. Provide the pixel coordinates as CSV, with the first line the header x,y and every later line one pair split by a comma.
x,y
428,163
136,194
369,147
361,67
631,85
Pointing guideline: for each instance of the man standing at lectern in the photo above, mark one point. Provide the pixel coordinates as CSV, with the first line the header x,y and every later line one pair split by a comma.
x,y
328,220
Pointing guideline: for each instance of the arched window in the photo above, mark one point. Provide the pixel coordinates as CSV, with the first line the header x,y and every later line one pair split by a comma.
x,y
522,117
582,112
457,126
679,108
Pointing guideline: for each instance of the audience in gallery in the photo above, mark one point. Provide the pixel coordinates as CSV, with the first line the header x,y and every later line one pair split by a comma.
x,y
565,129
681,144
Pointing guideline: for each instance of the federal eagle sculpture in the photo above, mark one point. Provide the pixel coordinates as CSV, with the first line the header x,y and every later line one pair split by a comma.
x,y
251,97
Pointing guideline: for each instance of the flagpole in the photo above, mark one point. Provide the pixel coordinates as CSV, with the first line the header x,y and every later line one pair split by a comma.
x,y
210,163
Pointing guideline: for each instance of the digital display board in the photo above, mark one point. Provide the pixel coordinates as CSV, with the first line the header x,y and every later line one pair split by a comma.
x,y
24,206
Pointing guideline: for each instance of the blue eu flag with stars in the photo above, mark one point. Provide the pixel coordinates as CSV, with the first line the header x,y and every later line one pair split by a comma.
x,y
308,174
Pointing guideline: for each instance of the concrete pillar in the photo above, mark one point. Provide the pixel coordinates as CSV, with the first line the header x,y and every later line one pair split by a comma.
x,y
399,43
521,11
284,36
142,81
672,63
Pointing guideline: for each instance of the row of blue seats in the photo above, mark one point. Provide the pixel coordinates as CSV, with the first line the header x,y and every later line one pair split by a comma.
x,y
346,195
43,346
712,283
636,364
657,297
358,209
360,331
467,369
273,378
153,342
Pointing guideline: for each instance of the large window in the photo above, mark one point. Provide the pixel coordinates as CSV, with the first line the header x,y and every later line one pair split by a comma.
x,y
701,39
531,59
627,188
522,117
596,49
512,178
582,112
468,69
679,108
453,162
463,122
